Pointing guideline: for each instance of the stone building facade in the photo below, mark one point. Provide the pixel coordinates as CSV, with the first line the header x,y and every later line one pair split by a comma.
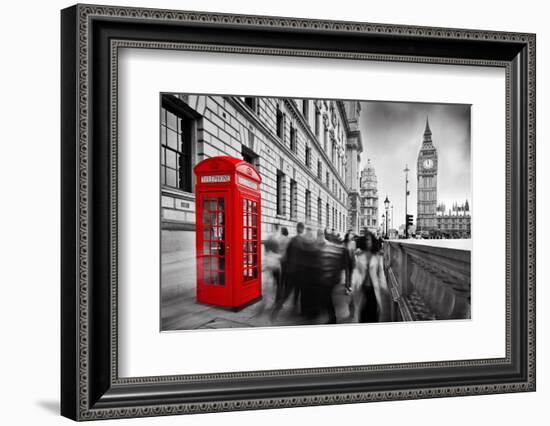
x,y
305,150
369,198
455,221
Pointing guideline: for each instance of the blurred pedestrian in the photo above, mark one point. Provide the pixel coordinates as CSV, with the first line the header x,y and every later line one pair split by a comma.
x,y
295,263
291,270
375,304
350,246
275,248
326,276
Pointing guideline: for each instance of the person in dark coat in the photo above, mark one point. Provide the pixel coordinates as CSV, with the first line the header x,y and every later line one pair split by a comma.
x,y
332,262
295,264
291,270
325,263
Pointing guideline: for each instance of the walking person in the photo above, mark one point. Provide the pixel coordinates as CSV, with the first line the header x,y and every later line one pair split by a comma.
x,y
350,247
326,266
295,264
275,248
291,270
375,303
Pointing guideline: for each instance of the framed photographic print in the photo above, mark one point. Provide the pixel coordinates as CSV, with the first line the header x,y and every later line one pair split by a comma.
x,y
263,212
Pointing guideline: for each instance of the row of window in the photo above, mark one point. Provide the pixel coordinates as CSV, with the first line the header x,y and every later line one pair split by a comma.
x,y
338,218
452,226
370,221
253,104
293,141
370,202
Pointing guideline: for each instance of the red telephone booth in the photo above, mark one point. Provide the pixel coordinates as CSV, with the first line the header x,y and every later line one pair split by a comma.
x,y
228,239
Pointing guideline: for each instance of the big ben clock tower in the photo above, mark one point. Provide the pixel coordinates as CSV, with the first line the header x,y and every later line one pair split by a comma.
x,y
426,171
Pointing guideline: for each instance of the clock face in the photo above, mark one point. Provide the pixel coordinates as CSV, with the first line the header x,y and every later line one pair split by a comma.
x,y
428,163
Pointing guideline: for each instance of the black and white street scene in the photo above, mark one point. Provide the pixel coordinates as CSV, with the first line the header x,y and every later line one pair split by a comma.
x,y
292,212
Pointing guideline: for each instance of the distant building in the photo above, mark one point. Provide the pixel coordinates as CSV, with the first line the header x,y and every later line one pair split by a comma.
x,y
455,222
369,198
426,170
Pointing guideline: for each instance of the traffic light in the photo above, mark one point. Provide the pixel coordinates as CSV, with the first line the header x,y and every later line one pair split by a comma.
x,y
408,222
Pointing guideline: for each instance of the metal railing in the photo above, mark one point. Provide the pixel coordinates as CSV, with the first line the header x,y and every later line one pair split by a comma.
x,y
427,282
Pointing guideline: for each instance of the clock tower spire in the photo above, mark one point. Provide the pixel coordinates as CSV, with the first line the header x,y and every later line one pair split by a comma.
x,y
427,135
426,171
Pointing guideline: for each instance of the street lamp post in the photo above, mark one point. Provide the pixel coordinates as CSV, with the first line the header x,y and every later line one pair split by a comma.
x,y
406,170
387,206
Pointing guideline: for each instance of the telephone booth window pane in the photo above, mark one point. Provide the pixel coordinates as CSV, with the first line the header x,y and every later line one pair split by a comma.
x,y
250,236
215,278
214,263
213,245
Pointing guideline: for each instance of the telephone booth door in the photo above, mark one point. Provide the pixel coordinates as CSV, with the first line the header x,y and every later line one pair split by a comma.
x,y
251,253
214,269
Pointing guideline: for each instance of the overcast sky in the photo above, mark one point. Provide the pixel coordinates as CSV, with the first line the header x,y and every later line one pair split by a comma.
x,y
392,137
